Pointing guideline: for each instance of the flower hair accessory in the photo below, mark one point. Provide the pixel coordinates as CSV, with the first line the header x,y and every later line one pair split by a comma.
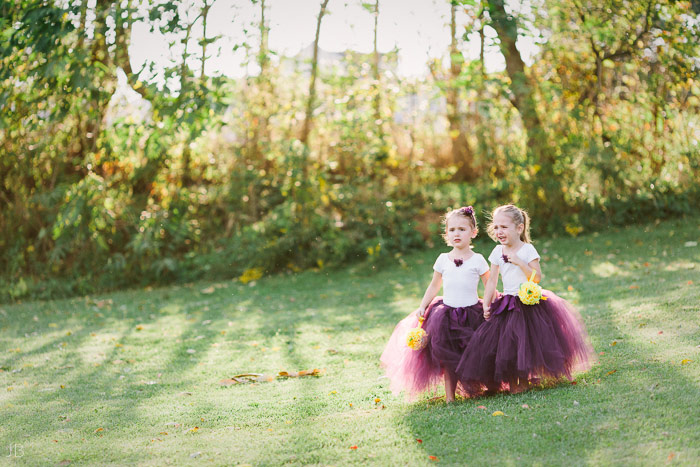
x,y
467,211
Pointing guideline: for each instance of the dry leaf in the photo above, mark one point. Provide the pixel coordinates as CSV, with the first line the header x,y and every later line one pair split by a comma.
x,y
208,290
261,378
632,287
611,372
99,429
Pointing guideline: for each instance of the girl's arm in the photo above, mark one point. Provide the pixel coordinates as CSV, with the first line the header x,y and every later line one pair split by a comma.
x,y
490,289
430,293
527,268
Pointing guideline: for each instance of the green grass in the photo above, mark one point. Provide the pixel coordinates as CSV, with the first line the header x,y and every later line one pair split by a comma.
x,y
100,380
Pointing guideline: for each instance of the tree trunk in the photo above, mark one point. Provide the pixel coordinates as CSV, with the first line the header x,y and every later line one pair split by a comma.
x,y
377,95
304,138
462,155
544,190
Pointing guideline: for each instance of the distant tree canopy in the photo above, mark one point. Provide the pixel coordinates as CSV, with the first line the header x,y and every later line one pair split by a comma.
x,y
308,163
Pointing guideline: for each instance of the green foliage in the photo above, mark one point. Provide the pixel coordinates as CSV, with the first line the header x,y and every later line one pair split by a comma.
x,y
205,177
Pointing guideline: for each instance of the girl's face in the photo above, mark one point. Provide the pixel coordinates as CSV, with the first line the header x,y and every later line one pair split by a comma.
x,y
460,232
505,230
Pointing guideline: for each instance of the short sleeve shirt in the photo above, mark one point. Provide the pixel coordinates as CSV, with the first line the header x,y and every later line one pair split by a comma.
x,y
459,283
511,275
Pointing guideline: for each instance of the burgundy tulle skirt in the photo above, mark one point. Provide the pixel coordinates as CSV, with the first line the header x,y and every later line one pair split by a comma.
x,y
522,344
449,332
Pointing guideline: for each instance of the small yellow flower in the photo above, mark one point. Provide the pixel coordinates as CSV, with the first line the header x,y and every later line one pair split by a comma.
x,y
417,338
530,292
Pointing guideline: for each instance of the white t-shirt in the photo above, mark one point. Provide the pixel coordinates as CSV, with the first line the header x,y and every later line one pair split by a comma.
x,y
511,274
459,283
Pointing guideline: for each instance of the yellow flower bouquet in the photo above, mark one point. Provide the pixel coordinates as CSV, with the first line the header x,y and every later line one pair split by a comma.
x,y
530,292
417,338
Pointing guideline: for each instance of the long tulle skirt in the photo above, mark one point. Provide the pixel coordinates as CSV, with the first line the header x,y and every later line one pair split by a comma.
x,y
522,344
449,332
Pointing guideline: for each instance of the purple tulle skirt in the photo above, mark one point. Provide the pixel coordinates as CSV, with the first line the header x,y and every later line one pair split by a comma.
x,y
522,344
449,332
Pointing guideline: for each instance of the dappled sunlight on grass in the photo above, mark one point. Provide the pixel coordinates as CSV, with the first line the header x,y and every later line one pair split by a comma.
x,y
145,367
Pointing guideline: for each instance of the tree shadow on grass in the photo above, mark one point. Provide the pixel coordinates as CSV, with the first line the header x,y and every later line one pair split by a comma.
x,y
118,390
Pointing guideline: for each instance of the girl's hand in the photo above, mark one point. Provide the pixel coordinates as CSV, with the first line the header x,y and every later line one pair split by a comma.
x,y
420,312
515,259
487,311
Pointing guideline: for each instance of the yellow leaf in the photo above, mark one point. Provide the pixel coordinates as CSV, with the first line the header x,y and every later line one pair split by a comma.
x,y
498,413
685,361
99,429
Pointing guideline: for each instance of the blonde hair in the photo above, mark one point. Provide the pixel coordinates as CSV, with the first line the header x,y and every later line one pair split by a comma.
x,y
517,215
465,212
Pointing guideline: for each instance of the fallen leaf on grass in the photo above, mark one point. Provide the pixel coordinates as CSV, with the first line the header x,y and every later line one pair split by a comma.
x,y
632,287
498,413
262,378
611,372
671,456
613,343
685,361
99,429
208,290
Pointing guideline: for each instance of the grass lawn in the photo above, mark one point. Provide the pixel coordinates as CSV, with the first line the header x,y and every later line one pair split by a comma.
x,y
133,377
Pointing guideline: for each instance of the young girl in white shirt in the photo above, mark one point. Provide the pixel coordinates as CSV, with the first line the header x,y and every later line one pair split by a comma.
x,y
520,344
449,320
